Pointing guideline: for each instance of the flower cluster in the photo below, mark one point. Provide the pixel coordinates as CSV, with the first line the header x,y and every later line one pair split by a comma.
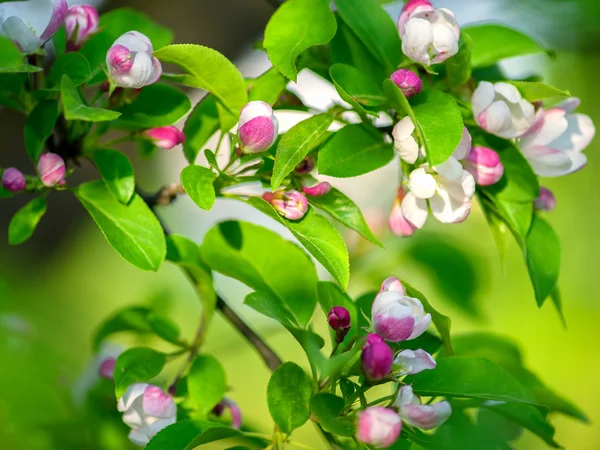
x,y
51,172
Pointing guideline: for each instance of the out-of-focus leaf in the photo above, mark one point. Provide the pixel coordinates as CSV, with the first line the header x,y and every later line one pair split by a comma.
x,y
24,222
135,365
542,254
201,124
74,65
75,109
39,126
207,383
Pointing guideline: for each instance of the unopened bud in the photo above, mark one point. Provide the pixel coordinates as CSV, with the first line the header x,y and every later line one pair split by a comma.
x,y
376,359
485,166
81,22
546,200
51,169
290,204
130,62
378,426
165,137
107,368
317,190
409,82
339,319
13,180
258,127
306,166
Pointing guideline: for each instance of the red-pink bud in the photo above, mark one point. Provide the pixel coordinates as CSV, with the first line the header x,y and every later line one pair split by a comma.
x,y
80,22
546,200
409,82
165,137
338,317
258,127
306,166
290,204
51,169
13,180
107,368
376,359
317,190
378,426
485,166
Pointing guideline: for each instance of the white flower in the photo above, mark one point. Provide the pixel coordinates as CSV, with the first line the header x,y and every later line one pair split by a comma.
x,y
409,362
404,142
29,24
500,110
414,413
554,144
130,62
146,409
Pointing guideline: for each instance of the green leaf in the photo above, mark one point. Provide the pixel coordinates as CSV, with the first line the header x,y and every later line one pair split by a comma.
x,y
542,254
493,43
271,306
264,261
288,397
157,105
132,230
116,172
211,71
354,150
345,211
469,377
39,126
73,64
535,90
74,108
375,28
294,27
268,87
24,222
136,365
198,183
207,383
437,120
12,60
296,144
458,67
318,236
200,126
59,40
180,435
327,409
357,88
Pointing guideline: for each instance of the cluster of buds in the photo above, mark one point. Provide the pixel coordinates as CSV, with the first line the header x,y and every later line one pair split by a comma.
x,y
51,170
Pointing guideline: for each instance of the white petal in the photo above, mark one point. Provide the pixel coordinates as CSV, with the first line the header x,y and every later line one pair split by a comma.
x,y
547,162
403,129
554,124
141,70
420,327
414,210
450,204
253,110
468,184
498,118
421,183
135,42
132,392
464,146
15,30
523,117
445,39
415,42
508,91
482,97
35,14
138,438
569,105
578,135
443,15
406,397
451,168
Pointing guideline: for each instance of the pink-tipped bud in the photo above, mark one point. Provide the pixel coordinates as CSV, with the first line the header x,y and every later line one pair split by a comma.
x,y
376,359
81,21
234,410
397,223
51,169
258,127
107,368
165,137
485,166
378,426
13,180
130,62
290,204
546,201
317,190
306,166
339,319
409,82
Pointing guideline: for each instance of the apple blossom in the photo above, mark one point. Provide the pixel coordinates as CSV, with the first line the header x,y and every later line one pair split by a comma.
x,y
376,358
29,24
499,109
416,414
13,180
378,426
51,169
404,142
554,144
146,409
546,200
258,127
290,204
165,137
397,223
485,166
409,362
81,22
409,82
130,62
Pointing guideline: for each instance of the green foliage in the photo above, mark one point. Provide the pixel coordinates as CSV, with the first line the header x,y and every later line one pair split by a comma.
x,y
39,126
327,408
116,172
268,87
201,124
12,60
24,222
75,109
198,183
536,90
207,383
357,88
459,66
542,254
136,365
330,295
288,397
74,65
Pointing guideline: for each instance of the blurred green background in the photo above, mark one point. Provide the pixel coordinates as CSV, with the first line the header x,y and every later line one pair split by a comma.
x,y
57,288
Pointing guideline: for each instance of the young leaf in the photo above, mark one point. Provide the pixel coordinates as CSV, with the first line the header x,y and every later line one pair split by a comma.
x,y
136,365
296,26
375,28
344,210
542,254
464,376
132,230
357,88
201,124
288,397
318,236
354,150
198,183
493,43
116,172
207,383
73,64
327,409
535,90
296,144
76,110
39,126
264,261
157,105
12,60
459,66
24,222
268,87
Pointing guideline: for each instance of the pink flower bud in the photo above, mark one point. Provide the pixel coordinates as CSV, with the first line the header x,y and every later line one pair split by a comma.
x,y
81,21
130,62
107,368
546,201
397,223
13,180
376,359
306,166
290,204
317,190
409,82
165,137
409,362
485,166
258,127
51,169
392,284
378,426
422,416
339,319
234,410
